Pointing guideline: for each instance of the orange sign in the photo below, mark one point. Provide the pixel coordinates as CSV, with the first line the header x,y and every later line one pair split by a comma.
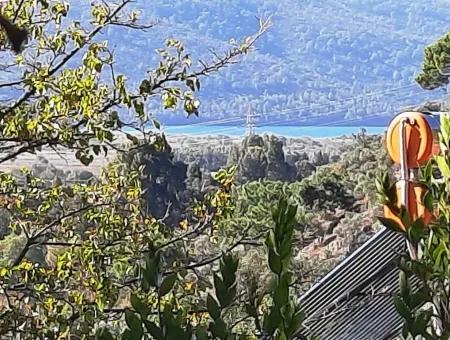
x,y
419,139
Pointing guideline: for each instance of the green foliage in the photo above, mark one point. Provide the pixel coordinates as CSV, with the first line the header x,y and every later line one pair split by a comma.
x,y
423,301
284,318
164,320
106,260
435,68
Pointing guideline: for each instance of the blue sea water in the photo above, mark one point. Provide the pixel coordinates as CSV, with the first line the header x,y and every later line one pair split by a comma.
x,y
287,131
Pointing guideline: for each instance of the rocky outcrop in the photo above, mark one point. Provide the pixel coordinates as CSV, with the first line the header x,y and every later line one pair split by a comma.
x,y
261,157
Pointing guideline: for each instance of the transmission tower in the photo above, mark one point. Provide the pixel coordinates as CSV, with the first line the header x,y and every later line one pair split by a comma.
x,y
250,123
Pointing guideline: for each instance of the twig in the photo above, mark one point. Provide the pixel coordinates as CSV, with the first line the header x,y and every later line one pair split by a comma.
x,y
199,228
16,14
33,239
217,257
12,83
133,26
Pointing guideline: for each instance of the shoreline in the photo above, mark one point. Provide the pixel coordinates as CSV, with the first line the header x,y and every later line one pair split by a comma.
x,y
279,131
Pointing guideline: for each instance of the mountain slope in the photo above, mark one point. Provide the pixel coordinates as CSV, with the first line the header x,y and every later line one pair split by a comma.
x,y
320,57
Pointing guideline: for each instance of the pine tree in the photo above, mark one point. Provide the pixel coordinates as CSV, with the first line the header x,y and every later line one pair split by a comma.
x,y
436,65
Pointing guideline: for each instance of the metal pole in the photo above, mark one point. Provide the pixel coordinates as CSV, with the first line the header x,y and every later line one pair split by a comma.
x,y
404,177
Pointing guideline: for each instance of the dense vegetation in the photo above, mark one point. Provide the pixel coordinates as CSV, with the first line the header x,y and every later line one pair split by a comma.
x,y
333,216
158,246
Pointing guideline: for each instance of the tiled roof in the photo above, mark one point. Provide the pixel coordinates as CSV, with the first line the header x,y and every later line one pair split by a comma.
x,y
355,300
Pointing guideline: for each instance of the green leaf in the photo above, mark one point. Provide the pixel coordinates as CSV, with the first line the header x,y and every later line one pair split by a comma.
x,y
443,166
286,246
405,217
169,101
104,334
168,319
274,262
96,149
136,333
296,323
134,324
272,320
151,270
281,293
405,288
386,181
156,124
445,128
402,308
84,158
213,307
391,194
391,224
419,298
201,334
154,330
405,330
416,231
437,253
222,292
251,310
138,305
126,335
132,138
190,83
427,171
228,268
145,87
218,328
167,284
139,108
421,322
428,201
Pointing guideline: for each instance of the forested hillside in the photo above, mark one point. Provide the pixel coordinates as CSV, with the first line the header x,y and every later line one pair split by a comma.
x,y
330,182
350,58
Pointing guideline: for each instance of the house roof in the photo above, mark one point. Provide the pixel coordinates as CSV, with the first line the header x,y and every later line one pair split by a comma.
x,y
355,300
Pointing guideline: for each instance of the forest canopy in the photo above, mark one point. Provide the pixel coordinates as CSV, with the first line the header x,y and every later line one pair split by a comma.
x,y
348,58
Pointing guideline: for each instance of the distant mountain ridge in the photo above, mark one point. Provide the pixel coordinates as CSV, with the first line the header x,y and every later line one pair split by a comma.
x,y
335,58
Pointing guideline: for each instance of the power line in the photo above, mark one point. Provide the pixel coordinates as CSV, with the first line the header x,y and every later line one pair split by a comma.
x,y
330,113
278,112
340,101
296,120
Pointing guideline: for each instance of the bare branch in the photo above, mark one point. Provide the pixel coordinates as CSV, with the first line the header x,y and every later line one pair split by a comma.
x,y
217,257
16,14
12,83
195,231
133,25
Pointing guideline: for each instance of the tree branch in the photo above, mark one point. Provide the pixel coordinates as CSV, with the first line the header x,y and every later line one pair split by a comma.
x,y
214,258
32,240
198,229
16,14
64,61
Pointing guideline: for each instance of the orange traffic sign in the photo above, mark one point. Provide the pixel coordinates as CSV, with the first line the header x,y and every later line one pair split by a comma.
x,y
418,139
